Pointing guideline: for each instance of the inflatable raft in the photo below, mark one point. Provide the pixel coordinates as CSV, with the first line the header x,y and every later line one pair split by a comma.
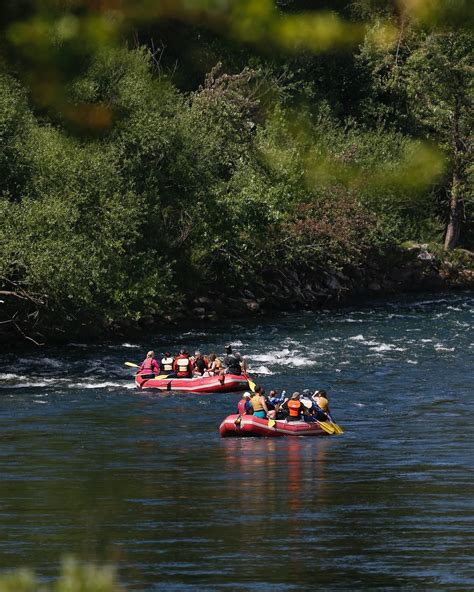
x,y
201,384
248,425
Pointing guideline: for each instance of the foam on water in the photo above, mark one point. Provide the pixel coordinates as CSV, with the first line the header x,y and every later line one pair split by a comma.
x,y
262,370
442,347
101,385
10,376
387,347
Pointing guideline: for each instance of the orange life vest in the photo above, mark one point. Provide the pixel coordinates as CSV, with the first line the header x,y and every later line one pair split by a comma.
x,y
294,407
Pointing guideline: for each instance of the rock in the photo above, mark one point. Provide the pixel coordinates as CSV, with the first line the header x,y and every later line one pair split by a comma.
x,y
199,311
204,301
333,283
248,294
374,287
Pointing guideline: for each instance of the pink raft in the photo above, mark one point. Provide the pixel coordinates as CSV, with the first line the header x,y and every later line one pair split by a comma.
x,y
248,426
202,384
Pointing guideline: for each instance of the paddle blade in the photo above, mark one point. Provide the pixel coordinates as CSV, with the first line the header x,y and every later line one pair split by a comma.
x,y
327,427
131,364
271,423
251,383
337,428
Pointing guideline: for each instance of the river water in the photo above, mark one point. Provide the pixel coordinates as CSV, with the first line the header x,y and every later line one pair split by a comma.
x,y
92,467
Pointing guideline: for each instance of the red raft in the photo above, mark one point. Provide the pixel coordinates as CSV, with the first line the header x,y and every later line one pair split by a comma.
x,y
248,426
201,384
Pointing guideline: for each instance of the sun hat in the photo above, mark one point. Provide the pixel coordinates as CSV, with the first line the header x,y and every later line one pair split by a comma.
x,y
295,395
247,394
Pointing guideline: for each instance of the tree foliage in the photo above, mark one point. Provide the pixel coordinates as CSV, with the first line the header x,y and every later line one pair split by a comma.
x,y
123,195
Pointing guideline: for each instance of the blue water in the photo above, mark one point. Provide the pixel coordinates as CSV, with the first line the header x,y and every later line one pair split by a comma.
x,y
90,466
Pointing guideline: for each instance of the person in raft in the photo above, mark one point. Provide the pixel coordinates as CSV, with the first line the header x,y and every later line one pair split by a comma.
x,y
244,406
295,408
233,362
166,364
320,398
200,364
215,365
259,404
149,367
183,365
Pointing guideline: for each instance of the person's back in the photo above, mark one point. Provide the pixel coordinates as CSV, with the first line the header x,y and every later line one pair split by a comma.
x,y
244,407
182,365
258,405
167,363
294,407
200,364
232,362
149,366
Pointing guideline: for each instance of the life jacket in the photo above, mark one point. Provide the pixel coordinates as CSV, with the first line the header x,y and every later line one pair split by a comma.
x,y
242,407
294,407
256,403
233,364
148,366
322,403
167,364
183,365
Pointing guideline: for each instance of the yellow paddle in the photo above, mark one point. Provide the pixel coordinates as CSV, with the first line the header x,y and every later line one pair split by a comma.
x,y
337,428
252,384
327,427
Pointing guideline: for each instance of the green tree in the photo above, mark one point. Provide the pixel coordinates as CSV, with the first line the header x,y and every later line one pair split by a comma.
x,y
440,83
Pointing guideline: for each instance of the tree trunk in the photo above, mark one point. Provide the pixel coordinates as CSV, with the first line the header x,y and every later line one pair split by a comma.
x,y
453,229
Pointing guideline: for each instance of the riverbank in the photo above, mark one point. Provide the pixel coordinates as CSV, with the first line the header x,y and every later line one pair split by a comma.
x,y
411,268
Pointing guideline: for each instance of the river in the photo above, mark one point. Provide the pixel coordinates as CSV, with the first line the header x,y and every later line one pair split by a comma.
x,y
94,468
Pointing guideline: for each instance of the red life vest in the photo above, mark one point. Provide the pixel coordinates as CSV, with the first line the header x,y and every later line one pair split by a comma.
x,y
182,366
242,407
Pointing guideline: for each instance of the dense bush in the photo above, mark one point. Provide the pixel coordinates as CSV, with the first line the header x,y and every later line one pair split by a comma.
x,y
181,193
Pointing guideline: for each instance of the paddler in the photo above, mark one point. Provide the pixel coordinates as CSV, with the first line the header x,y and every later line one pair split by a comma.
x,y
183,365
295,408
259,404
244,407
233,362
320,398
166,366
149,367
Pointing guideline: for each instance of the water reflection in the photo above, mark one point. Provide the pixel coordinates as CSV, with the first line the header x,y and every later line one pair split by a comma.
x,y
267,465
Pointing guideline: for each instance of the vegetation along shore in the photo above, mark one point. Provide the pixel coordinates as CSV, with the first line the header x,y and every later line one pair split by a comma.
x,y
274,169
